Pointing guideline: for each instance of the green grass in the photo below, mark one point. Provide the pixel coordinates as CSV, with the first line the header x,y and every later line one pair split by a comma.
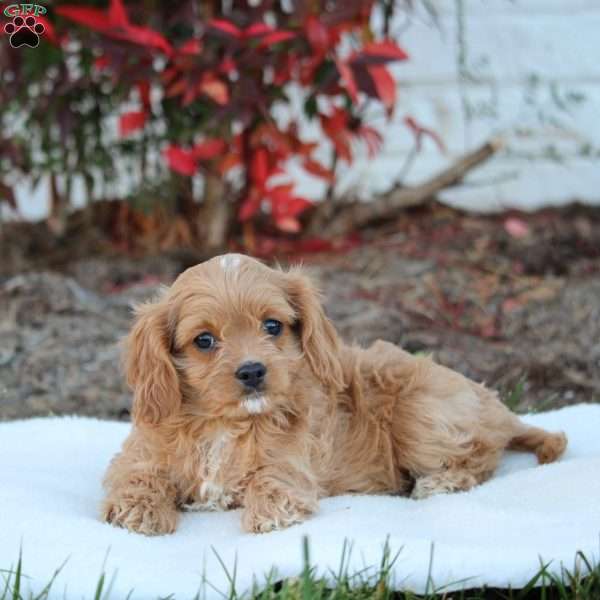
x,y
515,395
512,397
581,584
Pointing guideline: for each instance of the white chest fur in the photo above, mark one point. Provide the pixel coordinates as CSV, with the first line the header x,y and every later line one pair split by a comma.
x,y
211,493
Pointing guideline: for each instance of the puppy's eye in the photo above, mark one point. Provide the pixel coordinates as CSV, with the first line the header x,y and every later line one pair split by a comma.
x,y
273,327
205,341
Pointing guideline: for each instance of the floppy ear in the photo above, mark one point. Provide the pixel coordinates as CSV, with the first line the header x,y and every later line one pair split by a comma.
x,y
148,366
318,337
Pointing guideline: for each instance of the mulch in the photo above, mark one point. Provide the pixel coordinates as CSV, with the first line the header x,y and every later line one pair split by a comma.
x,y
512,300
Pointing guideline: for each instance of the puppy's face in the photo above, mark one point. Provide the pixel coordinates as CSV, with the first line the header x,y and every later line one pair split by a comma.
x,y
236,345
230,339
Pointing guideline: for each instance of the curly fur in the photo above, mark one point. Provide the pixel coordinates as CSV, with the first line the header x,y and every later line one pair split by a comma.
x,y
332,418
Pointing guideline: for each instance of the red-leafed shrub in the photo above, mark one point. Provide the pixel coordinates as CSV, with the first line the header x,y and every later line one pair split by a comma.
x,y
195,85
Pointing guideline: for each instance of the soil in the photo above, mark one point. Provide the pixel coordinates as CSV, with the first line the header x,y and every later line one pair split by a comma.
x,y
512,300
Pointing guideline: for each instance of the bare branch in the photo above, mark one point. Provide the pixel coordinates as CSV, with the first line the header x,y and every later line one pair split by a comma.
x,y
356,215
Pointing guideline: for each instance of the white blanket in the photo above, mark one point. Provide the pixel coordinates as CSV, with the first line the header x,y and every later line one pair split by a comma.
x,y
496,534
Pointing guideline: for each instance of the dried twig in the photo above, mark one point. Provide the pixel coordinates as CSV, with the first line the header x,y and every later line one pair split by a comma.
x,y
356,215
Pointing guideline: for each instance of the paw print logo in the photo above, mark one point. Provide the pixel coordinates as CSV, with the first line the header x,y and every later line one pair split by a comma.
x,y
24,31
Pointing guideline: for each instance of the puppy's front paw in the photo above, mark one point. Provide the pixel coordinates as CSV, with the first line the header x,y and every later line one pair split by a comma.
x,y
140,516
275,510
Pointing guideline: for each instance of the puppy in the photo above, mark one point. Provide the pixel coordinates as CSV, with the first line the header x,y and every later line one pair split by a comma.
x,y
245,397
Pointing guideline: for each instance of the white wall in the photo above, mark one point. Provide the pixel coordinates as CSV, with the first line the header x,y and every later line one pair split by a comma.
x,y
526,69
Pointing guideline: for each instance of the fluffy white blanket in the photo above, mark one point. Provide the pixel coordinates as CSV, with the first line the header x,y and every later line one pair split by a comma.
x,y
496,534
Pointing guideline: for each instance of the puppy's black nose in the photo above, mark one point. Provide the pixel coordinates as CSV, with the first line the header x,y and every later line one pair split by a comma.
x,y
251,374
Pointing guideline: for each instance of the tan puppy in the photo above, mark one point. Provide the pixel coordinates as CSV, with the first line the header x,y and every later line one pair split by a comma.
x,y
246,397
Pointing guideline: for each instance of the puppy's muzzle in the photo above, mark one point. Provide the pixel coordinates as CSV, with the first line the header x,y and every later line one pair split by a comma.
x,y
251,375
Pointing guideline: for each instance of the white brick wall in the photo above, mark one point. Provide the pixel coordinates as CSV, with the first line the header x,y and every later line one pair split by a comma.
x,y
535,67
535,79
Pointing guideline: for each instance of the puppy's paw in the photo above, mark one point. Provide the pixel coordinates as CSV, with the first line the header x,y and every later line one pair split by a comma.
x,y
140,516
552,448
275,510
444,482
256,521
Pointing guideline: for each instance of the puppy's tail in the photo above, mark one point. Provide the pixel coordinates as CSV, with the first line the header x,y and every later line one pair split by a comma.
x,y
547,446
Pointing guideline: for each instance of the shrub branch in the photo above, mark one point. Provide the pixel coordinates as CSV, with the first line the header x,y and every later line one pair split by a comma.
x,y
355,215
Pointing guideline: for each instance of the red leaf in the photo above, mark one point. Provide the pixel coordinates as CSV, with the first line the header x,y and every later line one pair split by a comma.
x,y
284,204
227,66
288,224
419,131
372,138
284,74
259,169
131,121
215,89
95,19
226,27
317,169
305,149
267,246
516,227
115,24
379,53
208,149
250,206
317,34
176,88
180,160
281,192
144,91
192,47
342,147
276,171
299,205
257,29
336,122
385,86
168,75
230,161
336,129
117,14
144,36
191,93
275,38
347,79
101,62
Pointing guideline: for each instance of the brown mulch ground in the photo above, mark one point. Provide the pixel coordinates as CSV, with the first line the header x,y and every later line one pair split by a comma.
x,y
503,299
